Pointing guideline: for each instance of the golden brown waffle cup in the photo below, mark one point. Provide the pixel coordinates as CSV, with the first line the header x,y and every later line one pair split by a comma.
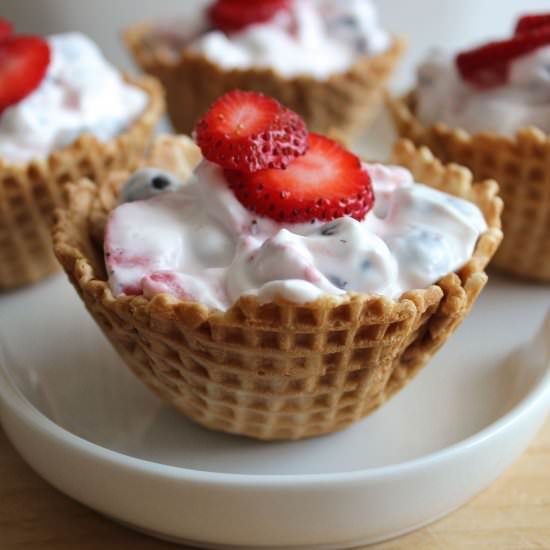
x,y
277,370
520,164
346,102
30,192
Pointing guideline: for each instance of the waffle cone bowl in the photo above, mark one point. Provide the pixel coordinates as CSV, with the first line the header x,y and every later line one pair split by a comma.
x,y
274,370
520,164
30,192
345,102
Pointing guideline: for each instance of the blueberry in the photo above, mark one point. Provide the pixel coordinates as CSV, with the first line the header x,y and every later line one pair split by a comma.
x,y
160,182
329,229
347,21
427,236
361,45
336,281
147,183
366,264
425,80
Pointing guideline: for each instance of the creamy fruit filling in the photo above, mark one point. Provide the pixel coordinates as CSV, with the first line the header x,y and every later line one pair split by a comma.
x,y
501,86
325,224
294,37
53,90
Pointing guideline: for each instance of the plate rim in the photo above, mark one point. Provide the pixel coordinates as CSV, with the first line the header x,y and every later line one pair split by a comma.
x,y
27,412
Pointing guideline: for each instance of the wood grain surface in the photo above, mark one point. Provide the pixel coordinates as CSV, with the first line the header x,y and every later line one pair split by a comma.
x,y
513,514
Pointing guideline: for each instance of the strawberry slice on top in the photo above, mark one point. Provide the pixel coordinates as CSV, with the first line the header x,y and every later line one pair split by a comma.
x,y
328,182
489,65
248,131
24,61
6,29
529,23
235,15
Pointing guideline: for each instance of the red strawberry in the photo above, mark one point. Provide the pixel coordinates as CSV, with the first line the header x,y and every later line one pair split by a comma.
x,y
234,15
247,131
529,23
328,182
488,65
6,29
24,61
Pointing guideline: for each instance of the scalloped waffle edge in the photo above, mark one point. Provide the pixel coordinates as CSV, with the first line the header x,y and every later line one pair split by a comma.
x,y
520,164
30,192
277,370
346,102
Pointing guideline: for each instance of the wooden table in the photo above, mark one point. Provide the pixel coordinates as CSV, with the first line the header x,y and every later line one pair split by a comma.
x,y
513,514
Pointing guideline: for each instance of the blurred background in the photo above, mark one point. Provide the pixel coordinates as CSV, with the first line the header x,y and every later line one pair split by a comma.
x,y
446,23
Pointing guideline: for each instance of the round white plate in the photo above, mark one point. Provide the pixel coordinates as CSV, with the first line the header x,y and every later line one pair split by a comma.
x,y
79,418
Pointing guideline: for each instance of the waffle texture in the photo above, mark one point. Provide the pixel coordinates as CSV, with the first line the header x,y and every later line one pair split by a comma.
x,y
29,193
277,370
520,164
345,102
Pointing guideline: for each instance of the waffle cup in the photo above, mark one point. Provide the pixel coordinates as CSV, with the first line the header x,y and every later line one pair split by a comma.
x,y
345,102
30,192
277,370
520,164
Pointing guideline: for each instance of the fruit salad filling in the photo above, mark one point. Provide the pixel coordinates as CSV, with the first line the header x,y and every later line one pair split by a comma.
x,y
294,37
52,91
326,224
501,86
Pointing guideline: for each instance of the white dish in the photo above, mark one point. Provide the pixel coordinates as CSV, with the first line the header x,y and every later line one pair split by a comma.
x,y
82,422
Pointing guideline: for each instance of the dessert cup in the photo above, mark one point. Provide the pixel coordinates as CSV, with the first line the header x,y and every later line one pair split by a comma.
x,y
345,102
276,370
520,164
30,192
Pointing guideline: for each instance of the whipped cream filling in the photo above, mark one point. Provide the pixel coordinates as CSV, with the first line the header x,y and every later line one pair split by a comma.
x,y
316,38
80,93
443,96
199,243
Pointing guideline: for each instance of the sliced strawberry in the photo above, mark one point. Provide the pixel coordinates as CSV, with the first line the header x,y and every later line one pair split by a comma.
x,y
6,29
528,23
489,65
248,131
328,182
24,61
234,15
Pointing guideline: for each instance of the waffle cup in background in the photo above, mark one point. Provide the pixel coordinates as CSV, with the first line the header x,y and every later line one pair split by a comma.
x,y
520,164
346,101
30,192
275,370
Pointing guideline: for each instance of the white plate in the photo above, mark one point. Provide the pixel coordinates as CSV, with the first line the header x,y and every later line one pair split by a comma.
x,y
81,421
